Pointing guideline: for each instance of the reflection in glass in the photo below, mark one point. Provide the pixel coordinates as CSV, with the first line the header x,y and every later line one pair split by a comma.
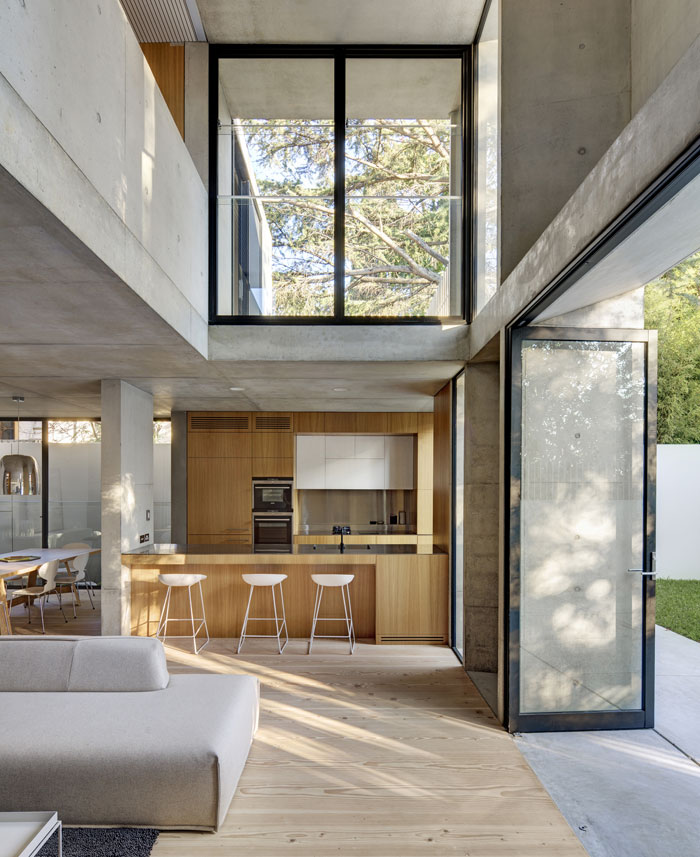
x,y
75,487
20,513
486,146
582,525
275,187
403,187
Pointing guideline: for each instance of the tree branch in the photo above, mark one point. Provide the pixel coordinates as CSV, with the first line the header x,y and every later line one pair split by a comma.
x,y
425,246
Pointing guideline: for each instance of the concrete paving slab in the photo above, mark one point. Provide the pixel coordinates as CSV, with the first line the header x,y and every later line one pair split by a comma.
x,y
633,793
624,793
677,714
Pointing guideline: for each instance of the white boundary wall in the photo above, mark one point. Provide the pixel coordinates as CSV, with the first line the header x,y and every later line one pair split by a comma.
x,y
678,511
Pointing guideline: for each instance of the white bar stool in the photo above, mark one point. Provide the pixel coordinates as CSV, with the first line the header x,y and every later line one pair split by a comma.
x,y
270,581
181,580
333,580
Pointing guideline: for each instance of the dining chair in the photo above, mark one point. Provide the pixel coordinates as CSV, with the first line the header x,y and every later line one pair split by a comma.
x,y
76,573
47,572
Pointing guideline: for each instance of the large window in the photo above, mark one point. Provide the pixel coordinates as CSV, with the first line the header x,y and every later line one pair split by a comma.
x,y
339,186
486,157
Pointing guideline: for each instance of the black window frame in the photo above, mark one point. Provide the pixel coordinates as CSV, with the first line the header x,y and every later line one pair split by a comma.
x,y
340,54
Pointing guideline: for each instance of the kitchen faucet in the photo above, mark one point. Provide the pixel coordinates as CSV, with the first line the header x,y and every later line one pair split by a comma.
x,y
341,531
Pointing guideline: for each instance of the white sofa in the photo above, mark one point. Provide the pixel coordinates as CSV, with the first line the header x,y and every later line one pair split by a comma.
x,y
96,728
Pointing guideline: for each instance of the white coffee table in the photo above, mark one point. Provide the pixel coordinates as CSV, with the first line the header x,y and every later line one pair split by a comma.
x,y
22,834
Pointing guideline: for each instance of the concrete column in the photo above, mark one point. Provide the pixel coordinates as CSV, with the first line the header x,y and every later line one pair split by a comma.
x,y
482,472
127,493
178,478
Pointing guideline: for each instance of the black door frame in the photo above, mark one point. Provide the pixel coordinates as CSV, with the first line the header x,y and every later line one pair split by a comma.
x,y
578,720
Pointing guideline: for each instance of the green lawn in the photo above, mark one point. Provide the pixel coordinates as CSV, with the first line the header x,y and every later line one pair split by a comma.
x,y
678,606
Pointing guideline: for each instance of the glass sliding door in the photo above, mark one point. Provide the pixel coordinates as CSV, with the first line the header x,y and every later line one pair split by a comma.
x,y
458,439
582,538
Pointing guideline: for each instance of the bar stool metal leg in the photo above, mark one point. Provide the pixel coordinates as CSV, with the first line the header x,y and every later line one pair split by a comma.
x,y
269,581
183,580
343,582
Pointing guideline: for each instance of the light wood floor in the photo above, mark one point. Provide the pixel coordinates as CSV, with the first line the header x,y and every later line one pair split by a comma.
x,y
388,753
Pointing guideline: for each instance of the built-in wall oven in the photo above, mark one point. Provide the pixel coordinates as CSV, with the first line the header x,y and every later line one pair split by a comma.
x,y
272,495
272,515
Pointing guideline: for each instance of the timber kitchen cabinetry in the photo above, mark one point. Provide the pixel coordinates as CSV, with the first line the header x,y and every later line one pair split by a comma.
x,y
226,450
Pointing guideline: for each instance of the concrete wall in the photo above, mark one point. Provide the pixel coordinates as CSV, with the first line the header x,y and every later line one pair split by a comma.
x,y
85,129
661,33
677,505
127,493
481,525
565,96
197,106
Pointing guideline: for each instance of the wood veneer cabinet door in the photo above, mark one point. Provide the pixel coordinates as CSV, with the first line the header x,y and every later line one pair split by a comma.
x,y
412,599
219,444
402,423
266,467
273,445
219,495
309,422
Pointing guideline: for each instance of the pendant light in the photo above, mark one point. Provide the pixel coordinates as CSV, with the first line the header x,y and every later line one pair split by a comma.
x,y
19,473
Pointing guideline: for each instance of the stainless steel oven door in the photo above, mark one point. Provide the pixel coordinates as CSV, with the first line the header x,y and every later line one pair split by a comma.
x,y
272,533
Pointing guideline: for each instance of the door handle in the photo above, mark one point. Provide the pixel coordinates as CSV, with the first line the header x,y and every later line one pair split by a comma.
x,y
651,572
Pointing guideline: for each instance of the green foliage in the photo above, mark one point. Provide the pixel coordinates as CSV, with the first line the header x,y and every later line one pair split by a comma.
x,y
397,213
678,606
672,305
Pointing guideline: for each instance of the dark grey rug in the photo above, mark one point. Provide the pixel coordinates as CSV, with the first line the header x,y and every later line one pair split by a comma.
x,y
102,842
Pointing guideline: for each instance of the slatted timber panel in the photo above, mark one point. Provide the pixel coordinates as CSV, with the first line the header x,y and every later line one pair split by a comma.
x,y
214,421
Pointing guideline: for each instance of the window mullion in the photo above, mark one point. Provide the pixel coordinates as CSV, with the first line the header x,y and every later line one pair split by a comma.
x,y
339,186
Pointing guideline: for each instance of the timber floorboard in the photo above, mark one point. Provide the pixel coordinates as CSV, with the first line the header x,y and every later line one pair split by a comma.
x,y
388,753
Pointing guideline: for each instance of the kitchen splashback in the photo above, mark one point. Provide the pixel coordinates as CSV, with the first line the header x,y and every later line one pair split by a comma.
x,y
318,510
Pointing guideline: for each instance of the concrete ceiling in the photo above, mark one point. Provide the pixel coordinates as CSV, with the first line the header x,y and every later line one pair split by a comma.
x,y
55,296
302,88
447,22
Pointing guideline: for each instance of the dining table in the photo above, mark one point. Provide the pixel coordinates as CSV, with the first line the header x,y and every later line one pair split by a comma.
x,y
30,561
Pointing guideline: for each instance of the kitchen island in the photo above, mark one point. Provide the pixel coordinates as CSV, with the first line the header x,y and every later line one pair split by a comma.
x,y
400,593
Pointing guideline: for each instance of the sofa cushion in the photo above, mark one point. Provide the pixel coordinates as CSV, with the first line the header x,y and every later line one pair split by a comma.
x,y
35,663
118,664
88,664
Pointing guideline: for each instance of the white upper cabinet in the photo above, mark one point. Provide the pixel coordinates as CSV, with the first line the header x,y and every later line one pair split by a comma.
x,y
398,462
354,462
369,446
311,461
339,445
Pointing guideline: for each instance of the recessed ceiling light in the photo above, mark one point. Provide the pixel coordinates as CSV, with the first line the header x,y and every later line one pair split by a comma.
x,y
236,389
340,389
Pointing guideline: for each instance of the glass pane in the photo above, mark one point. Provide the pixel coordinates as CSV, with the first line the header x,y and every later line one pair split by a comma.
x,y
459,440
486,133
275,187
20,514
403,184
582,526
161,481
75,486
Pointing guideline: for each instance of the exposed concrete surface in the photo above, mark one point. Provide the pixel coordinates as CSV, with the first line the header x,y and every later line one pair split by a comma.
x,y
337,342
656,135
127,493
565,96
626,311
197,106
89,135
340,22
661,34
632,793
677,713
